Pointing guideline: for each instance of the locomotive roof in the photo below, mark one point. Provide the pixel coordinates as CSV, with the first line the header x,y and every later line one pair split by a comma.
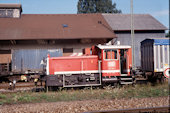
x,y
114,46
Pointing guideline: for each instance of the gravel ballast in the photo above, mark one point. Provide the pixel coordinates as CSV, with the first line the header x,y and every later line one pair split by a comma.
x,y
84,106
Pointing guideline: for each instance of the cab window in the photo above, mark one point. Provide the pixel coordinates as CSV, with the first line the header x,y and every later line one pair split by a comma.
x,y
110,54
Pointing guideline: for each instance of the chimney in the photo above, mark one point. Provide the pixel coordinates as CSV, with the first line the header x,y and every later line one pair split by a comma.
x,y
118,42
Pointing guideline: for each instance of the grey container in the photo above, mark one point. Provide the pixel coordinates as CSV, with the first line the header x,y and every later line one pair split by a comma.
x,y
30,60
155,54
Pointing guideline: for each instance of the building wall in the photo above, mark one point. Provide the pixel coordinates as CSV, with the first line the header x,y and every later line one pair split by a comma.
x,y
125,39
10,13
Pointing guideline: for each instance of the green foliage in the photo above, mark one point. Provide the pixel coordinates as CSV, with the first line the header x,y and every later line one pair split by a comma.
x,y
2,96
43,96
168,34
97,6
25,98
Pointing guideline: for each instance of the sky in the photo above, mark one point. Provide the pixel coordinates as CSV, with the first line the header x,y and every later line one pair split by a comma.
x,y
157,8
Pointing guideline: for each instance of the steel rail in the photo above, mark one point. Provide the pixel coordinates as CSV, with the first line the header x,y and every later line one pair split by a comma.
x,y
19,85
163,109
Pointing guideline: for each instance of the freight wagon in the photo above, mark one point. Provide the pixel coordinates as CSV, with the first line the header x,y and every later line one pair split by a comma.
x,y
106,64
31,60
26,62
155,58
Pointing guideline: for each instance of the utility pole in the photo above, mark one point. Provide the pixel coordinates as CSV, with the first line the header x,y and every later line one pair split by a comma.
x,y
132,35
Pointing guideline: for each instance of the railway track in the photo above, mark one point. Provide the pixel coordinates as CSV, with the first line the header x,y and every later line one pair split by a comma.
x,y
4,87
31,84
164,109
19,85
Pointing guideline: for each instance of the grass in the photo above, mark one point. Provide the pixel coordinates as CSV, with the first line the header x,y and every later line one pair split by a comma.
x,y
137,91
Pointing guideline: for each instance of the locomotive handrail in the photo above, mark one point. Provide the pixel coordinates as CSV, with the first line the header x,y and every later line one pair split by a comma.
x,y
100,72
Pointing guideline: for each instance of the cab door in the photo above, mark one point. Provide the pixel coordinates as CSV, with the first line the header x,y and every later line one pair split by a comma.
x,y
110,63
125,61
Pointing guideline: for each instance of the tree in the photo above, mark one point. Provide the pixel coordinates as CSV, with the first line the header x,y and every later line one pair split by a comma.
x,y
97,6
168,34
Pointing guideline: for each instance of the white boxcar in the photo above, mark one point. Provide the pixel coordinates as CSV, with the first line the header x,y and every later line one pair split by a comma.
x,y
155,55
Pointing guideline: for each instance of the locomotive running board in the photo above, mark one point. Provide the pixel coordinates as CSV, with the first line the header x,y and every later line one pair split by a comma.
x,y
126,83
126,78
81,85
109,79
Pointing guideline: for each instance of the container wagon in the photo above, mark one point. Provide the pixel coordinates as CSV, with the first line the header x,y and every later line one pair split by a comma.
x,y
25,63
31,60
155,58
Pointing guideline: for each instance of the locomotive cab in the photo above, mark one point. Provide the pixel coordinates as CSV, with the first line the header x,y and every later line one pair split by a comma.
x,y
115,63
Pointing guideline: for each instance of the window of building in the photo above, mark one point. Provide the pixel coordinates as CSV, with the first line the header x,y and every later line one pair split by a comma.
x,y
4,13
67,50
9,13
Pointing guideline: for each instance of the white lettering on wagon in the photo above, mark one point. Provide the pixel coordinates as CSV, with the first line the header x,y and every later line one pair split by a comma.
x,y
111,64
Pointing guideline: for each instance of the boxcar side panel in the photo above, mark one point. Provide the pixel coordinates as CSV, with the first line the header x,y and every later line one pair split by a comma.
x,y
31,59
147,55
161,57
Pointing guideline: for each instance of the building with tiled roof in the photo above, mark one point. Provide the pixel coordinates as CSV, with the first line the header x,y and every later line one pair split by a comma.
x,y
145,26
70,31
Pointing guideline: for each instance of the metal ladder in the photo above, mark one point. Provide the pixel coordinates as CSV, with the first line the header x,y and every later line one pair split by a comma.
x,y
126,80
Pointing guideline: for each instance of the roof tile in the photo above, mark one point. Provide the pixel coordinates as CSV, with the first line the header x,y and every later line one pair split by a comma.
x,y
50,26
141,22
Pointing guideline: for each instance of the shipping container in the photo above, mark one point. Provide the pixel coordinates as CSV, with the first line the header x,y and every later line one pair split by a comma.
x,y
31,60
155,54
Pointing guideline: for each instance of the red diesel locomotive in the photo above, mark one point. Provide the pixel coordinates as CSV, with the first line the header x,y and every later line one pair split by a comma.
x,y
105,65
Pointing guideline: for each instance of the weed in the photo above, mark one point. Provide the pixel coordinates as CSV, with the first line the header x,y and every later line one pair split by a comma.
x,y
26,98
2,96
43,96
137,91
